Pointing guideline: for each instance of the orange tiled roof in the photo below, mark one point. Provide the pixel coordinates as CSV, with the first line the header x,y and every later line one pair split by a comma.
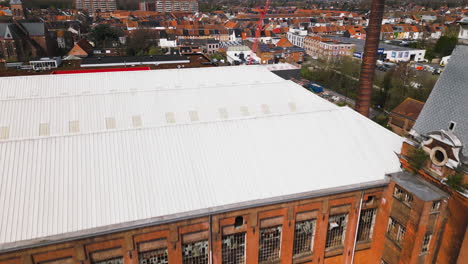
x,y
284,43
409,108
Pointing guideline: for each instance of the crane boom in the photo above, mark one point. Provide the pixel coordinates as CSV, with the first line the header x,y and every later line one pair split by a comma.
x,y
258,31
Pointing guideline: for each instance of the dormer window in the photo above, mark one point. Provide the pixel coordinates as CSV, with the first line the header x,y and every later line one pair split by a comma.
x,y
452,126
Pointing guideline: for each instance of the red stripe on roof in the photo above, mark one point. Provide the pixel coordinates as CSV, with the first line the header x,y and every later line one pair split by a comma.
x,y
102,70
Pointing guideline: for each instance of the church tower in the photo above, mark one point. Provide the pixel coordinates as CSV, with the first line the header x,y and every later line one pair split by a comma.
x,y
17,9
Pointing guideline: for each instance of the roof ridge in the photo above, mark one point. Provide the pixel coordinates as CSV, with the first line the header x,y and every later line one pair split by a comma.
x,y
116,91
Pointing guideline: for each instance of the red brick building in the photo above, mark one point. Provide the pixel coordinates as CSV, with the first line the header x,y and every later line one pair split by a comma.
x,y
326,48
403,117
236,172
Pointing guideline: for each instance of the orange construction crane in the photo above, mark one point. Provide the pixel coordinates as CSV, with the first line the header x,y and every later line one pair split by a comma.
x,y
258,31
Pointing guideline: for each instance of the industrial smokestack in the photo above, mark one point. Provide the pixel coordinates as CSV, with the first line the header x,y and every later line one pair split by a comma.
x,y
369,59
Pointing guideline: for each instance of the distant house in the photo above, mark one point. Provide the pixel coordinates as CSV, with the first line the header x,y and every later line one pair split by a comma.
x,y
403,117
82,48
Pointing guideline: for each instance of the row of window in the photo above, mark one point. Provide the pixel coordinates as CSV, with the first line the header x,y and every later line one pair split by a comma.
x,y
405,197
234,245
396,232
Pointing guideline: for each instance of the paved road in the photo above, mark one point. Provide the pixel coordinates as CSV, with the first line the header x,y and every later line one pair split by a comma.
x,y
373,112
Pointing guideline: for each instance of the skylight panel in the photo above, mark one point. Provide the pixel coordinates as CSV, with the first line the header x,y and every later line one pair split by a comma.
x,y
4,132
44,129
110,123
170,118
74,126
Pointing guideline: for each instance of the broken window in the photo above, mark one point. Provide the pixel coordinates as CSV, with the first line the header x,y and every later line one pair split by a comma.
x,y
233,249
426,241
336,230
366,225
304,232
270,244
435,206
195,253
395,231
402,195
157,256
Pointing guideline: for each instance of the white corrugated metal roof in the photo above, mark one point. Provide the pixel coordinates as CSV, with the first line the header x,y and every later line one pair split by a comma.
x,y
24,117
69,182
91,83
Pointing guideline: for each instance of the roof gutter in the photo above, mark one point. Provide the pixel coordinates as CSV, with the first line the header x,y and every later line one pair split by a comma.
x,y
116,228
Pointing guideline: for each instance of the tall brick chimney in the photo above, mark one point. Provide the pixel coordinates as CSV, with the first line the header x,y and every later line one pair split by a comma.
x,y
369,59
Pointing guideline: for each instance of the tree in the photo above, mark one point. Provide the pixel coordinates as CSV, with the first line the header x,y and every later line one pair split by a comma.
x,y
154,50
103,34
141,41
219,56
384,93
445,45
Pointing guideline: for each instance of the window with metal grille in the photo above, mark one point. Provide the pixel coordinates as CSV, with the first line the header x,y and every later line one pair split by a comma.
x,y
118,260
336,230
270,244
402,195
366,225
304,233
157,256
426,241
195,253
395,231
234,249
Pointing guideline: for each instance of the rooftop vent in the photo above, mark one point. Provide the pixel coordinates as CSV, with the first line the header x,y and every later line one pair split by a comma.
x,y
170,118
74,126
110,123
4,132
136,121
44,129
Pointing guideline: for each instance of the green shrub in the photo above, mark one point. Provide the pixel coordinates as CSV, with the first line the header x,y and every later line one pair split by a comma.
x,y
417,158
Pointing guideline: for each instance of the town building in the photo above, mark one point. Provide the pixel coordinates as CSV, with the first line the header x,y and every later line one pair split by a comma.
x,y
207,46
297,36
282,51
356,32
17,9
240,55
326,48
82,48
23,40
403,117
436,152
96,5
164,6
133,61
387,52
